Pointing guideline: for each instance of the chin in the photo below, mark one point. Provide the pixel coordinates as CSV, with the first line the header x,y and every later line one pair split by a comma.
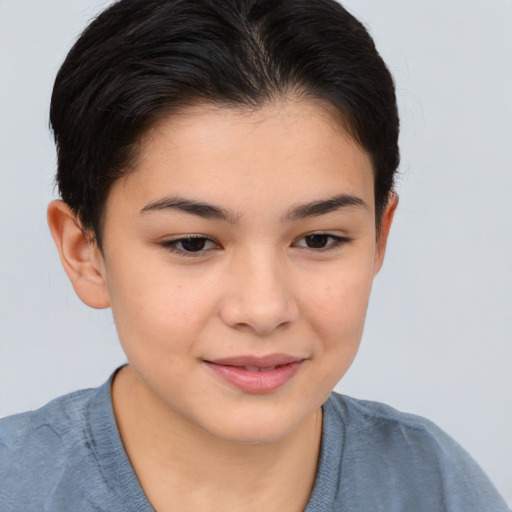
x,y
256,434
257,425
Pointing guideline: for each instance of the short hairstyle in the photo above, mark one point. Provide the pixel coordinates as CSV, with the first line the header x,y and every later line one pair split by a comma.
x,y
141,60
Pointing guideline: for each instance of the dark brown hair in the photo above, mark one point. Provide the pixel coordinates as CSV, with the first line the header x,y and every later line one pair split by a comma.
x,y
140,60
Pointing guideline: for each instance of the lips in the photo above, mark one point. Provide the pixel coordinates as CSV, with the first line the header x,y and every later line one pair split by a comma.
x,y
256,374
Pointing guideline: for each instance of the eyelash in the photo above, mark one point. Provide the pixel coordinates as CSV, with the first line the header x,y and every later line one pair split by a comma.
x,y
337,241
172,245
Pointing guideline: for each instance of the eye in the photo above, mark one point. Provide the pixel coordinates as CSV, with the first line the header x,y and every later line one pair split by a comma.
x,y
321,241
190,245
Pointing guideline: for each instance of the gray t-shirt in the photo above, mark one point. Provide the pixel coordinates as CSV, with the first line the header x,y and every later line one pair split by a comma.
x,y
68,456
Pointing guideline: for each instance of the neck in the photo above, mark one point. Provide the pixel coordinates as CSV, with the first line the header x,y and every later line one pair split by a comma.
x,y
182,467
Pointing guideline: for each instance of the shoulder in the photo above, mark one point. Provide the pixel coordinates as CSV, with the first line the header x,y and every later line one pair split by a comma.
x,y
361,416
52,429
402,458
40,447
380,436
51,420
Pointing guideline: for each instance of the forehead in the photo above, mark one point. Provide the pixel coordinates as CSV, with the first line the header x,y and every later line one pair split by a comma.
x,y
280,154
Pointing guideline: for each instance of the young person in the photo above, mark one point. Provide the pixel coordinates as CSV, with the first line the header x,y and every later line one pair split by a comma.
x,y
226,171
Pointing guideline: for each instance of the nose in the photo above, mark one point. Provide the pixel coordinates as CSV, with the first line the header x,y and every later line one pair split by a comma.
x,y
260,296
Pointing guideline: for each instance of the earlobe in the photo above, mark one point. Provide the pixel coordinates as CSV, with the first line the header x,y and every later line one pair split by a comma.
x,y
385,226
79,255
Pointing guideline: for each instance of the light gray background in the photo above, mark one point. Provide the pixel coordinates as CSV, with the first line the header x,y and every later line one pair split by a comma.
x,y
438,340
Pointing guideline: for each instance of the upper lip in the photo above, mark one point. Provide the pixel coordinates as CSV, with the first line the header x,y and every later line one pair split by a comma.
x,y
267,361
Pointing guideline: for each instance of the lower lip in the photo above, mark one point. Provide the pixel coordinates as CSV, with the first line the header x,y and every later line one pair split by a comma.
x,y
255,382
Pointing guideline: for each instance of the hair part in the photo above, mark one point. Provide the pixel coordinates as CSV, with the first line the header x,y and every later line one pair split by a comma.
x,y
142,60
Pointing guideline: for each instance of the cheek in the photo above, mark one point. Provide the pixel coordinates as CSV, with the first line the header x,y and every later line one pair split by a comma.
x,y
339,320
338,304
335,313
157,313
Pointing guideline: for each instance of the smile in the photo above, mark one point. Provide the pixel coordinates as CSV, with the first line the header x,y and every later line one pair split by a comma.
x,y
256,375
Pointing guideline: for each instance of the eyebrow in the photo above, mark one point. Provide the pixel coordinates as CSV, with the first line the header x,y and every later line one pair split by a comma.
x,y
204,210
324,206
210,211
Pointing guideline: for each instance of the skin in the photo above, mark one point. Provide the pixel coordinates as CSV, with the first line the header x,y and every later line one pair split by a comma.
x,y
256,288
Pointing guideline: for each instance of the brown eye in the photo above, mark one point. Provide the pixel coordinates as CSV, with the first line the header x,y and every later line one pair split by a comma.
x,y
317,241
321,241
192,244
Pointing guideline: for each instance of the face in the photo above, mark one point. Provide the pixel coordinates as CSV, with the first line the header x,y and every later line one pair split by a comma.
x,y
238,259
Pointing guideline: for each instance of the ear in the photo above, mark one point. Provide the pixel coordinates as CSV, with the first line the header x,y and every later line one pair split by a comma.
x,y
382,235
79,255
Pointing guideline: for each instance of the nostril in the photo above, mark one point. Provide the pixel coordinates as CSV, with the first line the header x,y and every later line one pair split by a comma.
x,y
261,317
260,295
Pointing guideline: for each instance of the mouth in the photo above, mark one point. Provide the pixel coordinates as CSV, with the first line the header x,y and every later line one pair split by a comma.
x,y
259,369
256,375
